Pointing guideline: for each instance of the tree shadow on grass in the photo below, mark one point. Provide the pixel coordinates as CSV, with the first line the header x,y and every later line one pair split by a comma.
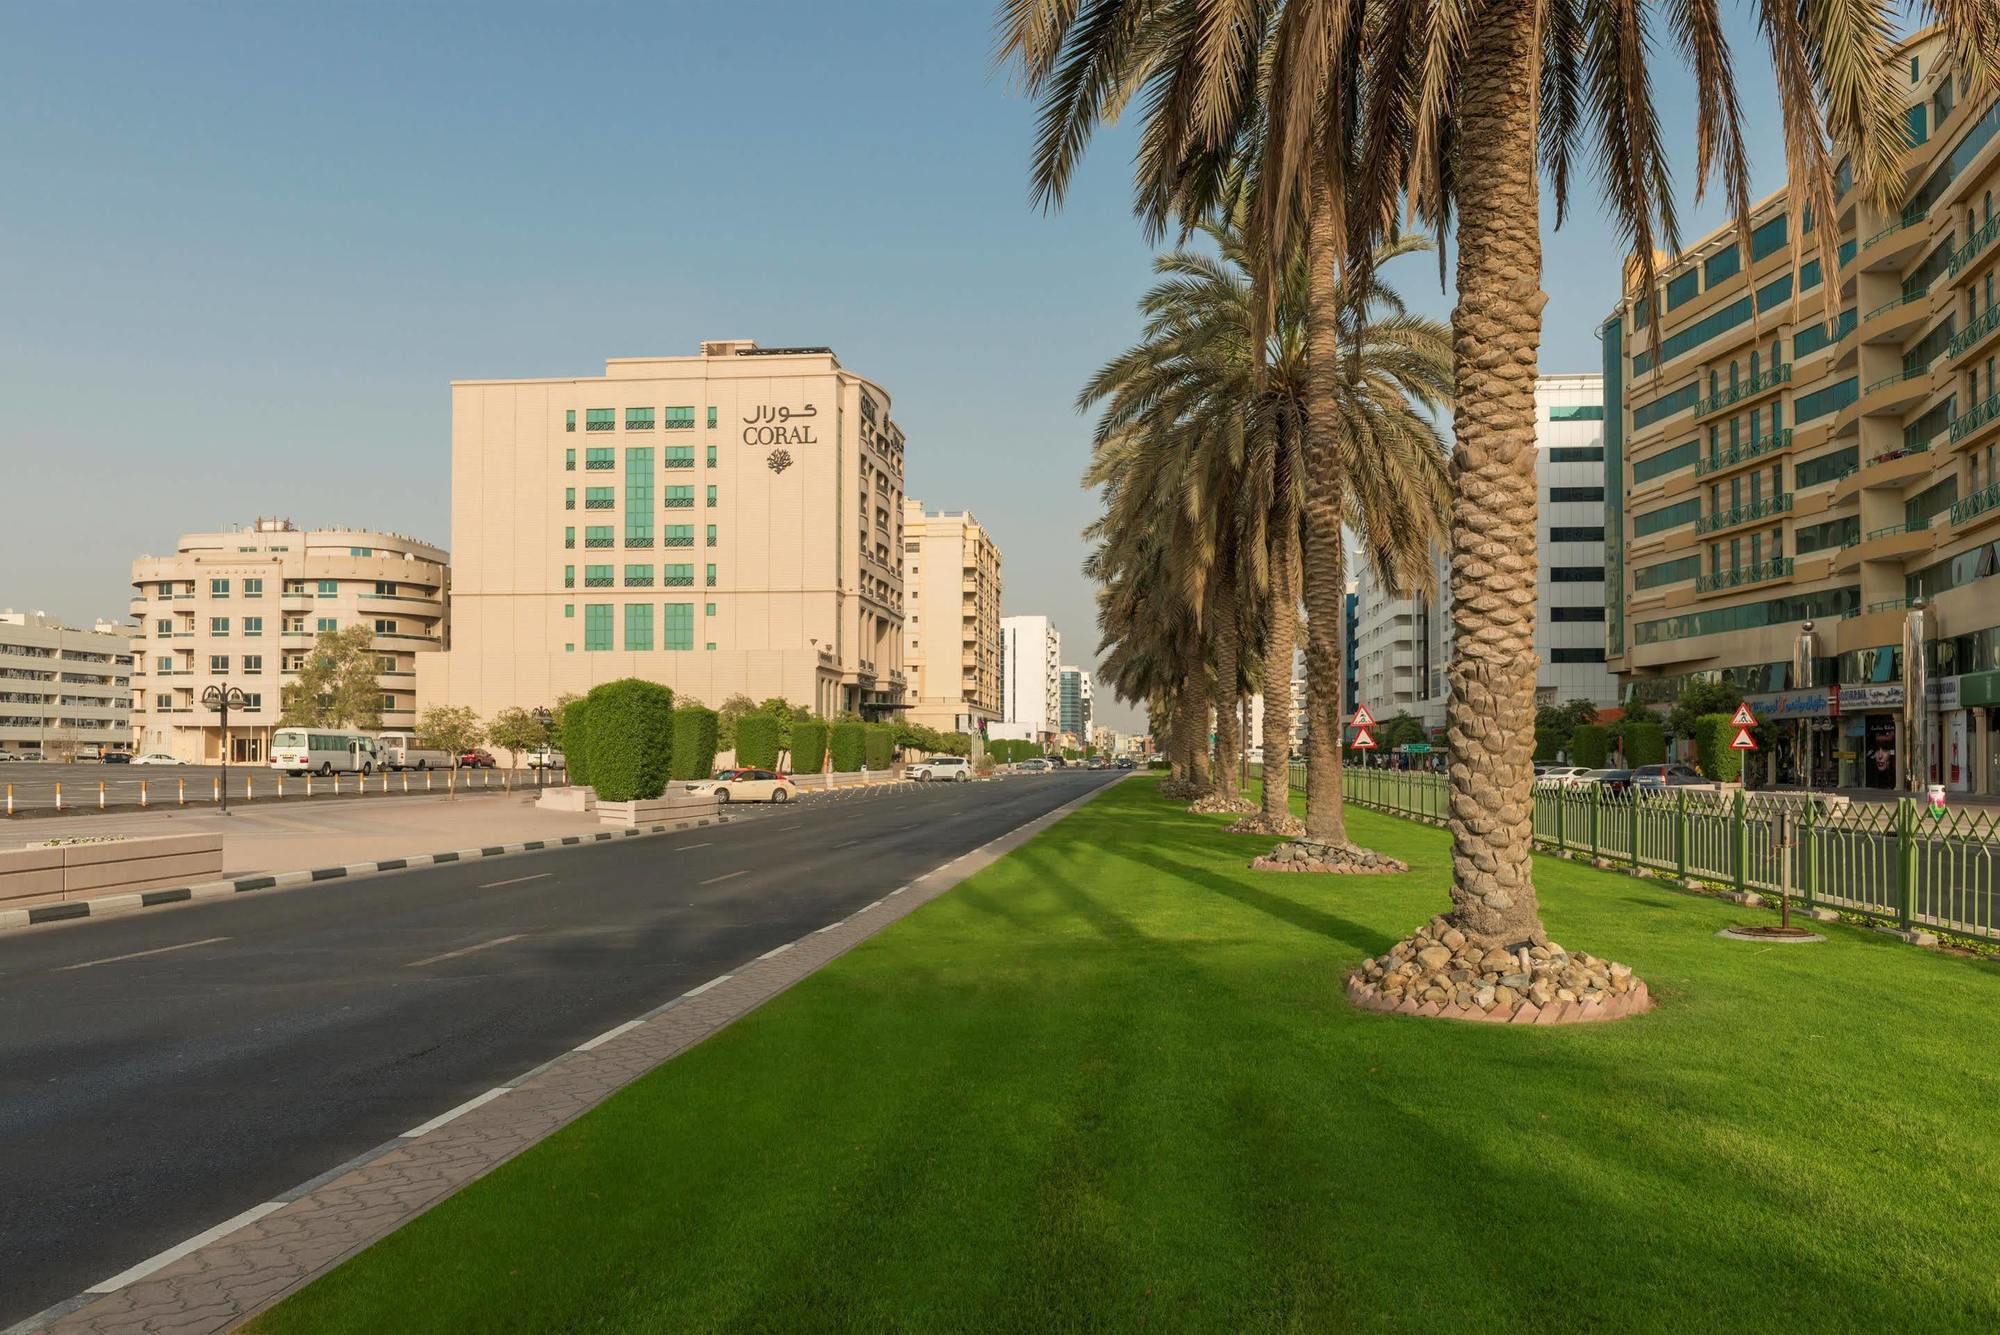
x,y
1303,916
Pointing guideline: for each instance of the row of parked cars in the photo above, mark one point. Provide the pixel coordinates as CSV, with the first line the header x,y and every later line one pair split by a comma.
x,y
1621,780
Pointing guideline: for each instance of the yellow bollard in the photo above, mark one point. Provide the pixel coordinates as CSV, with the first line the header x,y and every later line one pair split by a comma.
x,y
218,790
142,794
427,781
309,785
100,794
58,794
184,791
10,799
406,781
248,785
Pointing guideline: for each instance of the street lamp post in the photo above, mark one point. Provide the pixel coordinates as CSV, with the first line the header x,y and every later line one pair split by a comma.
x,y
222,698
1803,654
545,719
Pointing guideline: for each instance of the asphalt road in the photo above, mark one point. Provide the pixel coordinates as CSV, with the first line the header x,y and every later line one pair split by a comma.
x,y
33,783
145,1097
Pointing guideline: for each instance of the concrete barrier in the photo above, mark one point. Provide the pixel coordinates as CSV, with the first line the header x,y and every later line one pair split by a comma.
x,y
566,798
57,872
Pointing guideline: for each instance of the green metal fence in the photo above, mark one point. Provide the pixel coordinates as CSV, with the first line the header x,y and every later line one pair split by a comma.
x,y
1894,861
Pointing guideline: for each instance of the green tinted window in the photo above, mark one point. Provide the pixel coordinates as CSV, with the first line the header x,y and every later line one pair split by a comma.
x,y
1665,462
638,626
1666,572
1671,516
679,626
597,626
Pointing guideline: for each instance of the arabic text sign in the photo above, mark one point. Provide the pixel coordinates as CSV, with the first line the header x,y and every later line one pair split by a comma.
x,y
780,426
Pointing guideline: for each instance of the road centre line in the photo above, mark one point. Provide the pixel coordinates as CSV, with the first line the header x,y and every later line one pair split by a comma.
x,y
142,954
517,880
730,875
465,950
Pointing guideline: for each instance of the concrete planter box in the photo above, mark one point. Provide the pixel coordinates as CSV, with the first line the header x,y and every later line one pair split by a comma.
x,y
666,809
75,871
566,799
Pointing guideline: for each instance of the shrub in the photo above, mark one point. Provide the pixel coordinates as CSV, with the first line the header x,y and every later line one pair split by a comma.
x,y
696,728
809,747
849,744
757,741
574,738
878,750
1588,745
1546,747
1712,752
631,732
1645,742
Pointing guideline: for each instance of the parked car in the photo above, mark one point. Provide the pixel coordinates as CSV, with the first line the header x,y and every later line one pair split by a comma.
x,y
401,750
1561,776
1669,776
1035,766
1610,780
6,757
27,755
545,758
955,769
476,758
157,758
1126,762
117,757
747,785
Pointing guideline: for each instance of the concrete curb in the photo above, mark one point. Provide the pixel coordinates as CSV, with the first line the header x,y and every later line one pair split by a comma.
x,y
106,906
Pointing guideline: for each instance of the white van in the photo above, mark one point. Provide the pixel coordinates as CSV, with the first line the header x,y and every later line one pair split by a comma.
x,y
399,751
299,751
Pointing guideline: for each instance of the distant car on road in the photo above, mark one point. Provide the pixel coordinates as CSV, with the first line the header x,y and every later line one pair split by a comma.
x,y
1610,780
1669,776
1036,766
955,769
746,785
477,757
1126,762
117,757
157,758
27,755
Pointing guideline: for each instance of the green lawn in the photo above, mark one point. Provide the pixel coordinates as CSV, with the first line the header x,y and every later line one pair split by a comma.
x,y
1111,1083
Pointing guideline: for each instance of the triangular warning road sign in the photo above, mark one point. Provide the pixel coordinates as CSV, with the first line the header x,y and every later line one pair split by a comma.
x,y
1362,718
1744,741
1362,741
1743,718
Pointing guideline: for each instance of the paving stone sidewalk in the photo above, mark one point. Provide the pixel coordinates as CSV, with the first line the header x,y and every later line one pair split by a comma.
x,y
282,1245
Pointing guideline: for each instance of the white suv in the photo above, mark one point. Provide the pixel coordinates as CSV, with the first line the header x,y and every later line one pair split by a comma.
x,y
955,768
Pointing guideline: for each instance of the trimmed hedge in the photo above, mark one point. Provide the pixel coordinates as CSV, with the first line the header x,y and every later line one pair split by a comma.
x,y
1589,745
878,749
1546,747
809,747
757,741
576,740
1645,742
849,744
1712,753
696,728
631,738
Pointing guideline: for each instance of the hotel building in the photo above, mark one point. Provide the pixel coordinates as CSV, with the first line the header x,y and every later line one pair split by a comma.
x,y
243,608
951,574
725,523
64,690
1794,446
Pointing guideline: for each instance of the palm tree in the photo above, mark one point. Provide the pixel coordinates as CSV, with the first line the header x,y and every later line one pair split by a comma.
x,y
1397,106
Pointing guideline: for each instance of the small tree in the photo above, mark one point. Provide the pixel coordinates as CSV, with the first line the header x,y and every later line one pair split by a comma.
x,y
809,746
1713,754
515,730
849,745
1696,699
631,732
452,729
757,741
726,718
336,686
695,728
1589,745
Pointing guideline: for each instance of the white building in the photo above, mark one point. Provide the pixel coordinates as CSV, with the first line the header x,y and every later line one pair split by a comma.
x,y
61,689
1256,735
1030,678
1403,643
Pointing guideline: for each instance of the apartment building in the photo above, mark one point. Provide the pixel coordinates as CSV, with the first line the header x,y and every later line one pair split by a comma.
x,y
1792,446
64,690
1398,668
724,523
242,608
1073,703
1030,679
951,576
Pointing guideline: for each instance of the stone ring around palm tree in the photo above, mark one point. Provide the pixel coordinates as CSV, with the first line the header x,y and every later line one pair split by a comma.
x,y
1441,972
1310,855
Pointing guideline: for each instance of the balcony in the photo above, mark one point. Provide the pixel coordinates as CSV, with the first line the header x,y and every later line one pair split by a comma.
x,y
674,461
1761,383
1744,514
598,542
1779,567
1894,245
1975,334
1970,421
599,465
679,581
680,503
601,503
1893,542
638,540
677,541
1893,320
1890,394
597,582
1975,245
1757,448
1984,501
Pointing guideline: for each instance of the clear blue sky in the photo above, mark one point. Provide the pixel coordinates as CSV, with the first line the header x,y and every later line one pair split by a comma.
x,y
246,247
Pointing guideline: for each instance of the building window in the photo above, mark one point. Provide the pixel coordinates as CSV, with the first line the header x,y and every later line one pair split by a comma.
x,y
218,588
569,458
569,577
680,419
597,535
361,551
596,627
639,577
638,626
638,419
163,702
569,498
710,646
1577,533
711,535
711,575
218,662
569,539
1723,264
388,704
711,456
679,626
711,495
569,609
678,535
163,627
682,498
1593,654
1576,614
677,456
710,610
597,577
253,664
711,419
1585,412
384,589
327,625
253,625
1576,574
1576,494
384,626
1576,454
600,498
253,588
679,576
218,625
638,531
385,663
600,419
569,424
601,459
328,588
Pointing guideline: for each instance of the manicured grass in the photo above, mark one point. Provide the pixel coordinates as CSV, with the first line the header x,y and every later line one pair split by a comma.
x,y
1112,1083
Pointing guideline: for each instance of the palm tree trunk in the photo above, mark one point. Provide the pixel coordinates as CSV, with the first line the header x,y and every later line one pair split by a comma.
x,y
1496,335
1325,558
1194,729
1226,636
1280,635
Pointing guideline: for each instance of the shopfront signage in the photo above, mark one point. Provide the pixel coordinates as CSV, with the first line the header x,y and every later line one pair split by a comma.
x,y
1858,699
1795,704
780,426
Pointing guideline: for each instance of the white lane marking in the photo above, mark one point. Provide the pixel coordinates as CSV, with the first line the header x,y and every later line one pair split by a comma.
x,y
684,848
142,954
173,1254
775,950
609,1034
465,950
697,991
729,875
516,880
461,1110
849,844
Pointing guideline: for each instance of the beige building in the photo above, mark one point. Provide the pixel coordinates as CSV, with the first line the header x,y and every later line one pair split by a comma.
x,y
1801,446
951,571
725,523
64,691
243,608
